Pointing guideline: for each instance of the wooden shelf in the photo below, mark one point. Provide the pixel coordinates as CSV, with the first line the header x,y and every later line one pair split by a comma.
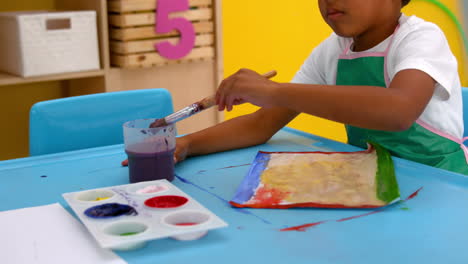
x,y
188,80
9,79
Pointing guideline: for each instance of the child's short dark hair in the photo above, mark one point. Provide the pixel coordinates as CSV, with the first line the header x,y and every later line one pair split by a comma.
x,y
404,2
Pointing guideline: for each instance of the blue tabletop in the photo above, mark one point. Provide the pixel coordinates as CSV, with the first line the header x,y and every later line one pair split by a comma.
x,y
429,226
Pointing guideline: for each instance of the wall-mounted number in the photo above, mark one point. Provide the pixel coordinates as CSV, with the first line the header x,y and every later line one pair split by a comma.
x,y
164,24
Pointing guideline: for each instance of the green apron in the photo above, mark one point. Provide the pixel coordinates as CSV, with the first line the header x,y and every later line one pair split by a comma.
x,y
420,142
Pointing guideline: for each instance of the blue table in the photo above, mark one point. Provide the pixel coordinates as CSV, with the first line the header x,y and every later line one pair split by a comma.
x,y
430,227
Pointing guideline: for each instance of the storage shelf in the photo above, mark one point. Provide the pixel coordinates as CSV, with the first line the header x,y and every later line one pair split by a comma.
x,y
9,79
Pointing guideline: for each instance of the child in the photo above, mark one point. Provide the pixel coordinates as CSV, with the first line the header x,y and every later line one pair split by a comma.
x,y
390,78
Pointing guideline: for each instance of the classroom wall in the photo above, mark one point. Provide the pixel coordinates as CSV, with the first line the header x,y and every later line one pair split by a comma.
x,y
264,35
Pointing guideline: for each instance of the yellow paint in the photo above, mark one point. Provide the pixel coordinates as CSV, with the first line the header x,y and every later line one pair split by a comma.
x,y
329,180
264,35
101,198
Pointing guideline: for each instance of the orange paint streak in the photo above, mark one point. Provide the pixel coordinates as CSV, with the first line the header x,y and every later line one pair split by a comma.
x,y
268,196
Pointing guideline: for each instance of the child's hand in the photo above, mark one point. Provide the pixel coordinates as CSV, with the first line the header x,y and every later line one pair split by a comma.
x,y
245,86
180,152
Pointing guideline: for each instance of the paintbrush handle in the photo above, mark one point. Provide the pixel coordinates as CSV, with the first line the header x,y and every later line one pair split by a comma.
x,y
191,110
205,103
182,114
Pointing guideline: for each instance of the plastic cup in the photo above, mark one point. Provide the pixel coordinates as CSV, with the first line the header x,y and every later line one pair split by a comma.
x,y
150,151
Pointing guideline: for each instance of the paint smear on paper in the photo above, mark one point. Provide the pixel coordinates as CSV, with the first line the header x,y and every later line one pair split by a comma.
x,y
268,196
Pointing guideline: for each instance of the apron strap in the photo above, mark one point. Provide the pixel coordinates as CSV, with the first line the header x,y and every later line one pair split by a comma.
x,y
465,148
447,136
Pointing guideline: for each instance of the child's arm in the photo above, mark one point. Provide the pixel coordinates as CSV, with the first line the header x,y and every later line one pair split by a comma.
x,y
239,132
392,109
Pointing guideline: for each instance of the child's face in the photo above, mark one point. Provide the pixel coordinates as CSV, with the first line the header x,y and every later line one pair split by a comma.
x,y
353,18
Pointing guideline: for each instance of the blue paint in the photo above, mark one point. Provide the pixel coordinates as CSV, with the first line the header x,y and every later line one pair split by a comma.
x,y
240,210
249,184
110,210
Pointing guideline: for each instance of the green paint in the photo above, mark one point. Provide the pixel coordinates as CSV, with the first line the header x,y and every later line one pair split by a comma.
x,y
129,233
387,186
405,208
452,16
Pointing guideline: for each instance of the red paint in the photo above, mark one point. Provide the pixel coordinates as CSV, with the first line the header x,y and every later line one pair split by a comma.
x,y
413,194
166,201
358,216
268,196
261,204
368,150
186,224
302,228
229,167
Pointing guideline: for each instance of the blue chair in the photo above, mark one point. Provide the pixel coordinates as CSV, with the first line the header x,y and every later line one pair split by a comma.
x,y
465,111
93,120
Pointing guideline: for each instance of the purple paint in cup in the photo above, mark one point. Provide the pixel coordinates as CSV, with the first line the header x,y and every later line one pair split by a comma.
x,y
150,151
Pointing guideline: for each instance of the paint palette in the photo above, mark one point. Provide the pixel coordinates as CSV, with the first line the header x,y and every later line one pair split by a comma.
x,y
125,217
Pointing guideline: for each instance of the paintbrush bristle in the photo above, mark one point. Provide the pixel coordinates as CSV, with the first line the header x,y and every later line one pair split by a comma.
x,y
158,123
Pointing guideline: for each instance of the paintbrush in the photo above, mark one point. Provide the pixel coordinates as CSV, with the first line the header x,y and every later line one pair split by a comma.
x,y
193,108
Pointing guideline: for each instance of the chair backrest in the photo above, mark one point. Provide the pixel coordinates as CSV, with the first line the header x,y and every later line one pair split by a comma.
x,y
93,120
465,110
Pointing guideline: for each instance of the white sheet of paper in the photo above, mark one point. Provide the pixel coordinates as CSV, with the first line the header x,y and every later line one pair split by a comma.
x,y
48,235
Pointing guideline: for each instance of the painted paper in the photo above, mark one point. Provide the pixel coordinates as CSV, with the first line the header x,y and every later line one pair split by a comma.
x,y
363,179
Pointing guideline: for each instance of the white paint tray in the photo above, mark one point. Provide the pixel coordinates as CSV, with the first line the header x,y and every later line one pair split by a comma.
x,y
160,219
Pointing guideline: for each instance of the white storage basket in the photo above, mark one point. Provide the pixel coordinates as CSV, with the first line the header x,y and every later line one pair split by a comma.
x,y
41,43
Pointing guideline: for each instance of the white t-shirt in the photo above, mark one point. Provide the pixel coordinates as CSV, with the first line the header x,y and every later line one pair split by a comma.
x,y
417,44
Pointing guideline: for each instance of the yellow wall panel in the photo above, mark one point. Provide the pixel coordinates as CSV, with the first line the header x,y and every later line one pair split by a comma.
x,y
429,11
265,35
